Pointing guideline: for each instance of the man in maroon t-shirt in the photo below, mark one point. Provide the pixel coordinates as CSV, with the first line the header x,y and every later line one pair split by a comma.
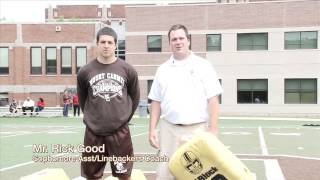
x,y
109,94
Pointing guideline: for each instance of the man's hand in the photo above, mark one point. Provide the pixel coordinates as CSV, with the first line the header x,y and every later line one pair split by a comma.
x,y
153,139
213,130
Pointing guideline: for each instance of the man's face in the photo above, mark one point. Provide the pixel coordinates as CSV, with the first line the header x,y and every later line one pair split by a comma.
x,y
179,42
106,46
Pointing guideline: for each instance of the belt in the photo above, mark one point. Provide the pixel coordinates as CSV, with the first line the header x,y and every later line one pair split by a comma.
x,y
188,124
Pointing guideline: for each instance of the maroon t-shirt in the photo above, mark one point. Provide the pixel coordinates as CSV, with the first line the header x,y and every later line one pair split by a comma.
x,y
108,95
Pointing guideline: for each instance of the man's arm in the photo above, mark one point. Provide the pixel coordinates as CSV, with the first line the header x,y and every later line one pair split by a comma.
x,y
134,92
154,119
82,92
213,109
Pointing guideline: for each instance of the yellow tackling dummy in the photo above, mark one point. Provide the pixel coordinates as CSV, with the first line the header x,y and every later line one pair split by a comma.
x,y
205,157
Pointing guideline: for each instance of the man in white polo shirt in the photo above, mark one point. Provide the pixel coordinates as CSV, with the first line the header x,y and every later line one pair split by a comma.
x,y
28,104
185,93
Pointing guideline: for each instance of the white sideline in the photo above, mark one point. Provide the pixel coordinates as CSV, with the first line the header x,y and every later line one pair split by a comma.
x,y
26,163
263,144
273,170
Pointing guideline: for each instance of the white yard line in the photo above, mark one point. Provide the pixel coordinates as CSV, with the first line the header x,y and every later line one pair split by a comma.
x,y
285,134
271,118
26,163
273,170
15,166
37,132
279,155
263,144
140,134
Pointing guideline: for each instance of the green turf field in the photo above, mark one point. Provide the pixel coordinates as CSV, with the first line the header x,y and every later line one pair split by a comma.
x,y
20,136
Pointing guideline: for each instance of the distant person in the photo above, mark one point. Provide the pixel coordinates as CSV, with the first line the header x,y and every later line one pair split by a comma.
x,y
66,102
76,107
257,100
28,104
109,93
13,107
40,105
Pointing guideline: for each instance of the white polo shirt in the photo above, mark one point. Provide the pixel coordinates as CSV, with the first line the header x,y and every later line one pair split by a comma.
x,y
183,88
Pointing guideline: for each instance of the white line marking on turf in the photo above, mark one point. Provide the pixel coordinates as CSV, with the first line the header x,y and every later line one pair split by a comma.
x,y
236,133
30,145
61,132
270,118
286,134
278,155
263,144
15,166
140,134
37,132
26,163
273,170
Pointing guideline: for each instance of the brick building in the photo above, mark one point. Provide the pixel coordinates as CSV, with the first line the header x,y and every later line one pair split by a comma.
x,y
266,52
42,59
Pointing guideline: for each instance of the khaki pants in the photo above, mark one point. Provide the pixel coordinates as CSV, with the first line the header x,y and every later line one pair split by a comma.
x,y
171,137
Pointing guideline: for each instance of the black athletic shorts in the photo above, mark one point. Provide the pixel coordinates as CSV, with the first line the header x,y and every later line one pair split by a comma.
x,y
116,145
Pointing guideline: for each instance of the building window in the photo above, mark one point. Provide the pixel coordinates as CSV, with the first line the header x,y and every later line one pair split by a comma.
x,y
121,50
81,57
66,57
301,40
51,60
213,42
252,41
252,91
4,98
154,43
4,60
36,55
300,91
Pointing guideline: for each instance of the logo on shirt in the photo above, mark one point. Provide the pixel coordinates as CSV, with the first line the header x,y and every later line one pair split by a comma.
x,y
120,167
107,85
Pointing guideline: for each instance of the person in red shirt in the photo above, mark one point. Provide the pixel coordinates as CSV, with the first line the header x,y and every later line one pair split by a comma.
x,y
76,106
40,105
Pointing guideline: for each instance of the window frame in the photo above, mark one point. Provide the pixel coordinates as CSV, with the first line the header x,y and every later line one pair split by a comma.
x,y
154,49
252,45
5,70
253,92
300,41
86,60
218,48
300,91
46,53
69,70
121,50
32,71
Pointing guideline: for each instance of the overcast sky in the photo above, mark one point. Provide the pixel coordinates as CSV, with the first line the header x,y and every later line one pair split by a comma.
x,y
34,10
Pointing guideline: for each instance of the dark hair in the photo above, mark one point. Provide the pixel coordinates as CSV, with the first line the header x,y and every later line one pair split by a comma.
x,y
107,31
176,27
41,99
